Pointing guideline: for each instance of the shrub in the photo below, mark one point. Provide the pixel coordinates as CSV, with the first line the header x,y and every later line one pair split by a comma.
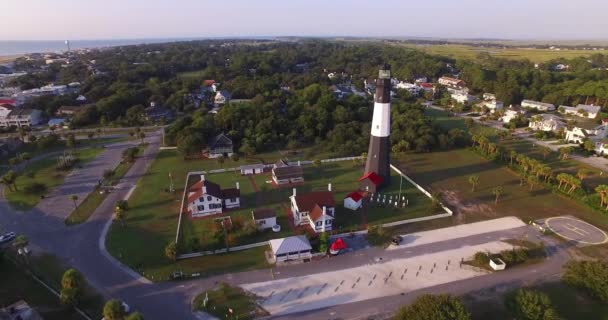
x,y
436,307
324,242
481,258
377,236
531,305
589,275
34,188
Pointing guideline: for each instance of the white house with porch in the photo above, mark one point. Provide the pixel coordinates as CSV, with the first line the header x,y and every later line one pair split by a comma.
x,y
511,113
581,110
547,122
353,200
316,209
291,248
206,198
580,132
541,106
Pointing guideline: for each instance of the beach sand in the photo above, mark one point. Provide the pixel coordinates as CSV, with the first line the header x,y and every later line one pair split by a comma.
x,y
11,58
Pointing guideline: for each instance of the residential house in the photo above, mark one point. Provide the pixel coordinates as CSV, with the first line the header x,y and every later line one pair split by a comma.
x,y
427,87
67,110
582,131
284,173
291,248
207,198
370,182
5,109
353,200
452,82
251,169
222,97
541,106
601,147
341,91
22,118
489,96
411,88
582,110
157,113
547,122
57,122
511,113
493,105
462,98
316,209
264,218
219,146
421,80
19,310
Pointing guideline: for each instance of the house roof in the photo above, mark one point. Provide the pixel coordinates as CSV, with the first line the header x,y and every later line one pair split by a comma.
x,y
373,177
231,193
252,166
317,212
308,201
213,189
8,101
219,140
538,103
288,172
355,195
290,245
264,213
208,83
426,85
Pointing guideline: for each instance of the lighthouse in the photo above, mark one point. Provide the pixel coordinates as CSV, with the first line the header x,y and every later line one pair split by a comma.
x,y
377,168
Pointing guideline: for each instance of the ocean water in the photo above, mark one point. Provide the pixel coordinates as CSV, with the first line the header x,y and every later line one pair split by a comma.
x,y
11,47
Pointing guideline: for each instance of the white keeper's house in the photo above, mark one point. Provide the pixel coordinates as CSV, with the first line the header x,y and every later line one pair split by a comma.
x,y
316,209
206,198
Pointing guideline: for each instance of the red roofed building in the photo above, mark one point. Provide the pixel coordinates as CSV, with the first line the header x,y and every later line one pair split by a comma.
x,y
370,182
207,198
353,200
428,87
316,209
208,83
12,102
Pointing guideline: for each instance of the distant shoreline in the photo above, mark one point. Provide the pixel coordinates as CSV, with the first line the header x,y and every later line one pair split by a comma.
x,y
9,58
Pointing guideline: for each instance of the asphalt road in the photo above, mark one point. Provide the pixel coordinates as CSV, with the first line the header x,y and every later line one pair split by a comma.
x,y
82,247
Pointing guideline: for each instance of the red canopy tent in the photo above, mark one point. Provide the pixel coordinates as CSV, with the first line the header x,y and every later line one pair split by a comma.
x,y
337,245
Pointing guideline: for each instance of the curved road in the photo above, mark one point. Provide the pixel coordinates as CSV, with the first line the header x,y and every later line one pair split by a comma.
x,y
82,247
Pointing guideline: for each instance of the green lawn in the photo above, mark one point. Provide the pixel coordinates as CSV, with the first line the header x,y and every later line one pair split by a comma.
x,y
569,302
152,219
448,172
17,284
43,171
226,297
197,234
463,51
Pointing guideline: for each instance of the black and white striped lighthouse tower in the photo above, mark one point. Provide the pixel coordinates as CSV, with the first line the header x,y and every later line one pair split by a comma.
x,y
378,156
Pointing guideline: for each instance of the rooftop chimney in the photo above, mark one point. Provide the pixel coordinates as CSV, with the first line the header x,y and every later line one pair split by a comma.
x,y
294,192
203,180
238,187
324,210
329,187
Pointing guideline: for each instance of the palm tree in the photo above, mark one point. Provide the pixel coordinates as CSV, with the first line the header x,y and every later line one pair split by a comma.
x,y
563,179
545,151
574,184
9,179
582,174
142,136
74,198
512,154
565,152
602,190
474,181
532,181
498,191
120,214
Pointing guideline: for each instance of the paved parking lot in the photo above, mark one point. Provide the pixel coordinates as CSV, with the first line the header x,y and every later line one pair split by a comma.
x,y
375,280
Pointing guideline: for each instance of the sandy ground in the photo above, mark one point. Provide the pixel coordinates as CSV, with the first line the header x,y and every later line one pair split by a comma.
x,y
368,281
459,231
7,59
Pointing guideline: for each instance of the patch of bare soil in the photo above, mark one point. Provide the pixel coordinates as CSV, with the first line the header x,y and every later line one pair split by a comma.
x,y
461,208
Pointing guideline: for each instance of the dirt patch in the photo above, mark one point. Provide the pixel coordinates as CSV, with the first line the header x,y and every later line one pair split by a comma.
x,y
453,200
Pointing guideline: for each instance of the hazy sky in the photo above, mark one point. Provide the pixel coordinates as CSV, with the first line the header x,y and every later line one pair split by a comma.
x,y
115,19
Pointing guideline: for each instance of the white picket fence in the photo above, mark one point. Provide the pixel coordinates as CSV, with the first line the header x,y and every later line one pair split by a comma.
x,y
218,251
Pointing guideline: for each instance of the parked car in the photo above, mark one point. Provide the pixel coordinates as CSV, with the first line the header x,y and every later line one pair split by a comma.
x,y
396,240
9,236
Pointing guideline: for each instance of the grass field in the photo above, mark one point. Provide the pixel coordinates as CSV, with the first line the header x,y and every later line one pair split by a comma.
x,y
226,297
343,176
152,219
43,171
562,297
16,284
463,51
